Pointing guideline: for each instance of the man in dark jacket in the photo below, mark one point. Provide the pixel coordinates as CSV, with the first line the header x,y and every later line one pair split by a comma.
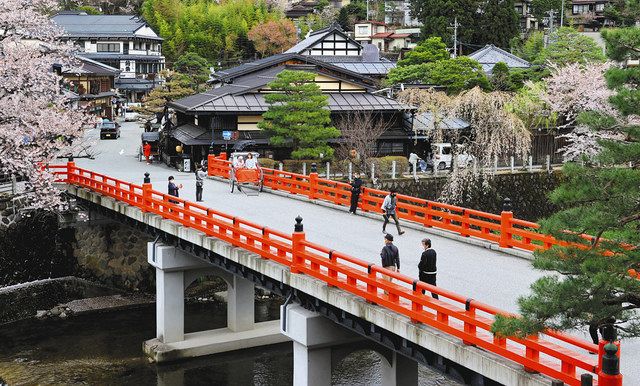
x,y
356,187
173,189
390,257
427,265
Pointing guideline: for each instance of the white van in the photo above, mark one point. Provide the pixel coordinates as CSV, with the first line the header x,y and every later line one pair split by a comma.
x,y
441,156
129,114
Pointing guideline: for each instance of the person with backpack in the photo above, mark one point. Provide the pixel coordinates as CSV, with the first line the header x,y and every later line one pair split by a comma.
x,y
389,208
390,257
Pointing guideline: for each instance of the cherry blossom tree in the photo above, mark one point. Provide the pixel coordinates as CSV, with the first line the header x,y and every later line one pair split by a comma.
x,y
36,123
573,90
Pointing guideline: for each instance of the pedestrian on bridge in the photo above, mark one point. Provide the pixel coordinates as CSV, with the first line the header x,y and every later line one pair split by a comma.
x,y
173,189
390,257
389,208
200,176
427,266
356,188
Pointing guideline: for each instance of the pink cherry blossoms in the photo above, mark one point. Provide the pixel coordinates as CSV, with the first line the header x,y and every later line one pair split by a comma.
x,y
36,124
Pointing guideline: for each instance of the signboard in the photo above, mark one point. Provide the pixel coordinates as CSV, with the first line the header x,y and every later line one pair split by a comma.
x,y
187,165
226,135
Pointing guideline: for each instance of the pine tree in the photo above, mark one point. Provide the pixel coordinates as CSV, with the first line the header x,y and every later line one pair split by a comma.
x,y
429,50
497,24
600,282
298,115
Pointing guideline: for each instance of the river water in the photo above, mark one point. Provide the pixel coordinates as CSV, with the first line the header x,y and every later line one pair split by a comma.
x,y
106,349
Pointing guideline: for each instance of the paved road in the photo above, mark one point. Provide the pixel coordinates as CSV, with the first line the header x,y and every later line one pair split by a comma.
x,y
472,271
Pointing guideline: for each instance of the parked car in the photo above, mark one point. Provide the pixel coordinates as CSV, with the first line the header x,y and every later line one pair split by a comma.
x,y
441,156
108,129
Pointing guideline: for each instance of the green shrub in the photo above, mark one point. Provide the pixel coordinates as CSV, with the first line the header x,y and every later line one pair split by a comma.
x,y
384,165
267,163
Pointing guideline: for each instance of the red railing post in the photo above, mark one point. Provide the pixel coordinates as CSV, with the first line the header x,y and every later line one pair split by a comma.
x,y
465,223
609,358
506,218
146,193
505,229
313,186
71,168
297,250
469,328
211,158
533,355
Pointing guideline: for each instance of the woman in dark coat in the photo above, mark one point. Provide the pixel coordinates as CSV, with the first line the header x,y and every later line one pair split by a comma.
x,y
356,188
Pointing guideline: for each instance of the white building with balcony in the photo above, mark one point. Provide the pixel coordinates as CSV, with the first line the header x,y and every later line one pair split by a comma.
x,y
124,42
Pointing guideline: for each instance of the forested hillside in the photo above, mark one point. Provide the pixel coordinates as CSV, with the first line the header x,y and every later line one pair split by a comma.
x,y
216,31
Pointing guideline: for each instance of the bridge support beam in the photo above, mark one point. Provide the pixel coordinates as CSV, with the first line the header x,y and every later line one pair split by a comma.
x,y
319,345
175,271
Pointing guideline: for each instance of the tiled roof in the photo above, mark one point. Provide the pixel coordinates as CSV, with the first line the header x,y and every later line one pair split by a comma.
x,y
368,68
88,66
83,25
489,55
381,35
255,103
424,122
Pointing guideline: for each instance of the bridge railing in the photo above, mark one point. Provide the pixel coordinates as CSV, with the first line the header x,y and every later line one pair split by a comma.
x,y
502,228
554,354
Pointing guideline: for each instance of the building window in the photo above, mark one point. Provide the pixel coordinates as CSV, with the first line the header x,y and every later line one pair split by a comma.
x,y
363,30
519,10
108,47
580,8
600,7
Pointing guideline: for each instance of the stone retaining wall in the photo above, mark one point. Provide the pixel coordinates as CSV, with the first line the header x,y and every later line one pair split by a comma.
x,y
114,254
24,300
528,192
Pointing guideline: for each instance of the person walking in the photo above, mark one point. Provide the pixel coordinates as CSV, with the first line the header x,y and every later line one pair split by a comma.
x,y
390,257
413,161
173,189
389,208
427,265
356,188
200,176
146,149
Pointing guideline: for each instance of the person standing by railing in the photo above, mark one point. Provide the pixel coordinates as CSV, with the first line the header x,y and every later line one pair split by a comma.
x,y
356,188
427,266
201,174
173,189
389,208
390,257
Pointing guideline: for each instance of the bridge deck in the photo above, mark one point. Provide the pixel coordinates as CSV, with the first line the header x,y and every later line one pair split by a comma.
x,y
486,275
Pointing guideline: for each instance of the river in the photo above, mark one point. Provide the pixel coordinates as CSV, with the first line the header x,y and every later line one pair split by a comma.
x,y
106,349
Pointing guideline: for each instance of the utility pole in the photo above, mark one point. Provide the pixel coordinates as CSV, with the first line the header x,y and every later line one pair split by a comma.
x,y
562,14
455,36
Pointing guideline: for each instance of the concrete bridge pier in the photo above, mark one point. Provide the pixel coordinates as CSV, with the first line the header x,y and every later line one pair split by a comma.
x,y
175,271
319,345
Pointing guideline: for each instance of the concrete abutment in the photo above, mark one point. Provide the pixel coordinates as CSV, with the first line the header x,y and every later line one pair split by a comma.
x,y
319,345
175,271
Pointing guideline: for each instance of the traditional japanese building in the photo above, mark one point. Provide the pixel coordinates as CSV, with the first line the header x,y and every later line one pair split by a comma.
x,y
124,42
489,55
226,116
90,86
